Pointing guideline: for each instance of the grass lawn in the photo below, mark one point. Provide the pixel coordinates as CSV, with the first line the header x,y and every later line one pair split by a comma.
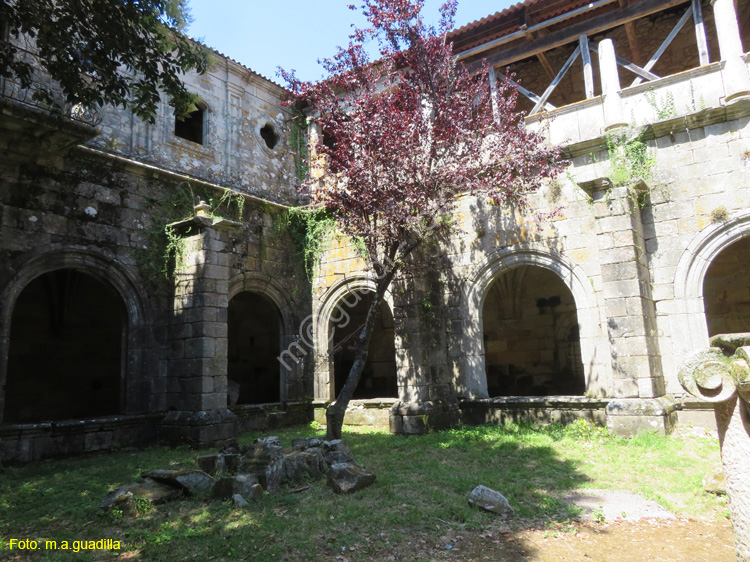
x,y
419,496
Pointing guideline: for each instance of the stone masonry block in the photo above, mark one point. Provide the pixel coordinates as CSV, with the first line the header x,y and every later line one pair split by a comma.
x,y
215,272
614,223
627,288
625,388
637,367
625,326
200,347
619,271
213,401
209,329
617,255
650,387
623,238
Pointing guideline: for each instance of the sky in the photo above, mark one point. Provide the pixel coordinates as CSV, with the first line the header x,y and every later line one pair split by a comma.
x,y
294,34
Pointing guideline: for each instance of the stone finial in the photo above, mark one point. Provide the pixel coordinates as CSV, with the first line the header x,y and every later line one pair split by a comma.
x,y
202,209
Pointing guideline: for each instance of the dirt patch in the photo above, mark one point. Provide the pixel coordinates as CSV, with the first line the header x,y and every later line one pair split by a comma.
x,y
611,506
646,540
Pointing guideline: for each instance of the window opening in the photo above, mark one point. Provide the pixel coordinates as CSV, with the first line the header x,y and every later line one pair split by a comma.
x,y
190,126
269,135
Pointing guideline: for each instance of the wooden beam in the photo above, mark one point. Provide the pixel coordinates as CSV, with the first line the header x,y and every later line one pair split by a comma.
x,y
700,33
588,71
663,47
572,33
543,60
523,32
528,93
635,51
493,93
546,65
556,81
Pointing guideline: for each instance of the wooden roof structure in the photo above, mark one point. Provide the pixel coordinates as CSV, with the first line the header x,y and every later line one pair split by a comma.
x,y
552,35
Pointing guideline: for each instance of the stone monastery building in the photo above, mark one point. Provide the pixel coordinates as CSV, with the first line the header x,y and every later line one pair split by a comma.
x,y
589,314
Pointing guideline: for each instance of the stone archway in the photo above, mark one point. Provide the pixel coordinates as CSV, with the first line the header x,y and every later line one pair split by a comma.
x,y
687,318
531,335
379,378
332,305
278,304
594,352
726,290
65,349
136,368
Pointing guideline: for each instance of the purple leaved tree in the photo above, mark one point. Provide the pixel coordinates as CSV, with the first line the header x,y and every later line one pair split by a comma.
x,y
404,136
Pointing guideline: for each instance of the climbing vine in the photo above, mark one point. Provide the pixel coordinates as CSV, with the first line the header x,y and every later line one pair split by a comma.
x,y
163,251
311,230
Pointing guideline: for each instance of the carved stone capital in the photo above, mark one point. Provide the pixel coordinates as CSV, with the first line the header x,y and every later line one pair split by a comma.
x,y
717,373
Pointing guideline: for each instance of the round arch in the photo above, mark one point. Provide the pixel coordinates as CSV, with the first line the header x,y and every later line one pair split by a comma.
x,y
594,349
688,322
101,267
266,286
323,314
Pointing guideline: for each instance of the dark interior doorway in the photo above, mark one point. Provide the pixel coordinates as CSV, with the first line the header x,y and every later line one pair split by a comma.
x,y
531,336
66,349
379,377
254,342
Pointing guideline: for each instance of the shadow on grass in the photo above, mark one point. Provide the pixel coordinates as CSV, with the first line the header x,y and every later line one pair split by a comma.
x,y
416,510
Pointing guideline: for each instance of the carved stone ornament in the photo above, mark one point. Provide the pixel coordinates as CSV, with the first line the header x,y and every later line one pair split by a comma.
x,y
721,374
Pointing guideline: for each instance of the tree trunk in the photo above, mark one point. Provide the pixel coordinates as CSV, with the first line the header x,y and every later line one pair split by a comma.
x,y
335,412
733,423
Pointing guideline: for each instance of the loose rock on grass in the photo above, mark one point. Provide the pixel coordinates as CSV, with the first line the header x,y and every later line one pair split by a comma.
x,y
490,500
240,473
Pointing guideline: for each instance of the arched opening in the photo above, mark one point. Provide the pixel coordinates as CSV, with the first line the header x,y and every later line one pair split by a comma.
x,y
531,335
726,290
254,334
379,377
65,355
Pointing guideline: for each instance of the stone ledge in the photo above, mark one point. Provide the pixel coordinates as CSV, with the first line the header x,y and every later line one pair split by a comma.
x,y
657,129
661,406
629,416
539,402
26,442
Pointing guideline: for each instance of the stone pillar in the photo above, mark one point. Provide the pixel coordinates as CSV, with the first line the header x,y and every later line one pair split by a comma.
x,y
610,86
197,379
427,390
638,382
721,375
736,79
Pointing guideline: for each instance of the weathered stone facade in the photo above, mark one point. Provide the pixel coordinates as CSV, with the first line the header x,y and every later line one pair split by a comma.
x,y
599,303
81,218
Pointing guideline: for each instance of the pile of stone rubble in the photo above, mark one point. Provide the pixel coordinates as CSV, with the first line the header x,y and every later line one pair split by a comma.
x,y
246,473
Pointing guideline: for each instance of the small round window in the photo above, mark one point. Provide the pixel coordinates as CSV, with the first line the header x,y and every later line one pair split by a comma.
x,y
269,135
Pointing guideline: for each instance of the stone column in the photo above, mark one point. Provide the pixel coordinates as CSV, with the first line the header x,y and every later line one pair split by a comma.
x,y
736,79
427,390
638,383
721,375
197,378
610,86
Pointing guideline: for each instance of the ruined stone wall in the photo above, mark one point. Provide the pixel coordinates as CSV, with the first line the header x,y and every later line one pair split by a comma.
x,y
238,105
626,252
